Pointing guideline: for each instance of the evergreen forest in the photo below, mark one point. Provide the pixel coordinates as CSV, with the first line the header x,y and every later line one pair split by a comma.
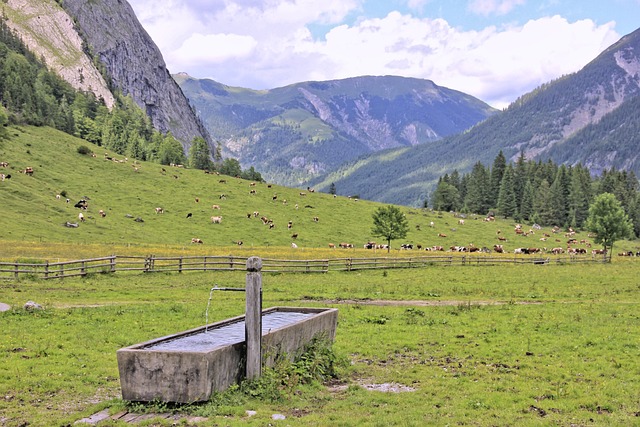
x,y
534,191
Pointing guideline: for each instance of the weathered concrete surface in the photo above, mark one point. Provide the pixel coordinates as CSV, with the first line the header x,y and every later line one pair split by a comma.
x,y
189,376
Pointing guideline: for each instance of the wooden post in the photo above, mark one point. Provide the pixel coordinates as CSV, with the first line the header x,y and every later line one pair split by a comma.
x,y
253,318
180,265
112,262
46,270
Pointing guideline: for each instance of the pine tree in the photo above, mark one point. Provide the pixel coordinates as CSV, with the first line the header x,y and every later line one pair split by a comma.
x,y
507,205
497,172
477,195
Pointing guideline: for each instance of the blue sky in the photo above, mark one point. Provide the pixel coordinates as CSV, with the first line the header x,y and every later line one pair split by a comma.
x,y
495,50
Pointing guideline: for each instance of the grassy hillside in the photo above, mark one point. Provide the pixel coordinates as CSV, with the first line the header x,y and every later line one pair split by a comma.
x,y
31,215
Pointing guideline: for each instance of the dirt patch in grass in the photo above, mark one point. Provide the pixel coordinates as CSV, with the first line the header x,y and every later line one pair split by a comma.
x,y
421,303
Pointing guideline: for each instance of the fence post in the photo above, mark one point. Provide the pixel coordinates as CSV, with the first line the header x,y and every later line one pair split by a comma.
x,y
83,272
112,263
46,269
253,318
15,271
180,265
231,262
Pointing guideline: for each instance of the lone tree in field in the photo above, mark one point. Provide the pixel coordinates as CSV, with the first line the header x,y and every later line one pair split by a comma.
x,y
608,221
390,223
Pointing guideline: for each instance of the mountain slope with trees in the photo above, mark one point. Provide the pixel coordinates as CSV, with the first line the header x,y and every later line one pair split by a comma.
x,y
588,117
100,47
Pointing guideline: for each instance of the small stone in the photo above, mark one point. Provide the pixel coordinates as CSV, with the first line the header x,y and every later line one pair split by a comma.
x,y
251,413
278,417
30,305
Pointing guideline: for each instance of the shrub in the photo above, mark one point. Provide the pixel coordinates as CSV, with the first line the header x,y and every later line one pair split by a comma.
x,y
84,150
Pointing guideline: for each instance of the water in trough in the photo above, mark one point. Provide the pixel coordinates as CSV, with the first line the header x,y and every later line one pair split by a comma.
x,y
228,334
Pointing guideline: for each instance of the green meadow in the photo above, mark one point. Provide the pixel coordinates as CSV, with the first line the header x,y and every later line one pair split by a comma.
x,y
462,345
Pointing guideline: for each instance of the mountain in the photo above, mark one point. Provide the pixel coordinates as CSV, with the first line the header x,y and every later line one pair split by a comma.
x,y
297,132
588,117
100,46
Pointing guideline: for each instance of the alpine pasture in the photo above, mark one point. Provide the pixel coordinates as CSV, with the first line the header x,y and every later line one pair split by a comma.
x,y
468,345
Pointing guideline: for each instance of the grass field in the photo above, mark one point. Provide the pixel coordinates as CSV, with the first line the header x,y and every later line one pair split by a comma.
x,y
515,345
484,346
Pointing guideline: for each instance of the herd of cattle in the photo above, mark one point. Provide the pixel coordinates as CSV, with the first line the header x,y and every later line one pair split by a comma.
x,y
573,246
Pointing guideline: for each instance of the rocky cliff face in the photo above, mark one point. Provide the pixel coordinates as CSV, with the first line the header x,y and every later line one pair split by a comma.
x,y
49,32
135,65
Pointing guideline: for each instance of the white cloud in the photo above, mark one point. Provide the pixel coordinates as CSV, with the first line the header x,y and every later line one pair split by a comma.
x,y
202,49
493,7
267,44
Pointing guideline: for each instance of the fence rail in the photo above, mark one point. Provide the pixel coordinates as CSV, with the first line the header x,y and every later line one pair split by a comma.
x,y
152,263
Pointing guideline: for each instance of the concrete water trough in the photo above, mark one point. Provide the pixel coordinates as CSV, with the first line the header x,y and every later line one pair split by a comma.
x,y
189,366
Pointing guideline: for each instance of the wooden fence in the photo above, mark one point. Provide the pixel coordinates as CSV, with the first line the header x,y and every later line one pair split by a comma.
x,y
152,263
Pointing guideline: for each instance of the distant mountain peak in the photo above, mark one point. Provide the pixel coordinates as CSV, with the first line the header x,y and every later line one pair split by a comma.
x,y
293,133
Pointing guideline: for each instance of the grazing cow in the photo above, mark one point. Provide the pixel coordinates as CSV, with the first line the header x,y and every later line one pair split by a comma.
x,y
406,246
370,245
216,219
316,219
222,196
274,197
442,235
223,181
534,250
28,170
217,207
255,214
294,236
196,240
598,252
461,221
290,224
4,164
498,248
332,246
302,193
82,204
431,224
293,245
81,217
502,239
271,225
159,210
296,206
253,184
557,251
239,243
102,213
345,245
522,251
189,215
629,253
437,248
58,196
253,192
197,199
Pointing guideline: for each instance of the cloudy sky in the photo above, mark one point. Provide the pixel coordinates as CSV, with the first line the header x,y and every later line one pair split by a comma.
x,y
495,50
